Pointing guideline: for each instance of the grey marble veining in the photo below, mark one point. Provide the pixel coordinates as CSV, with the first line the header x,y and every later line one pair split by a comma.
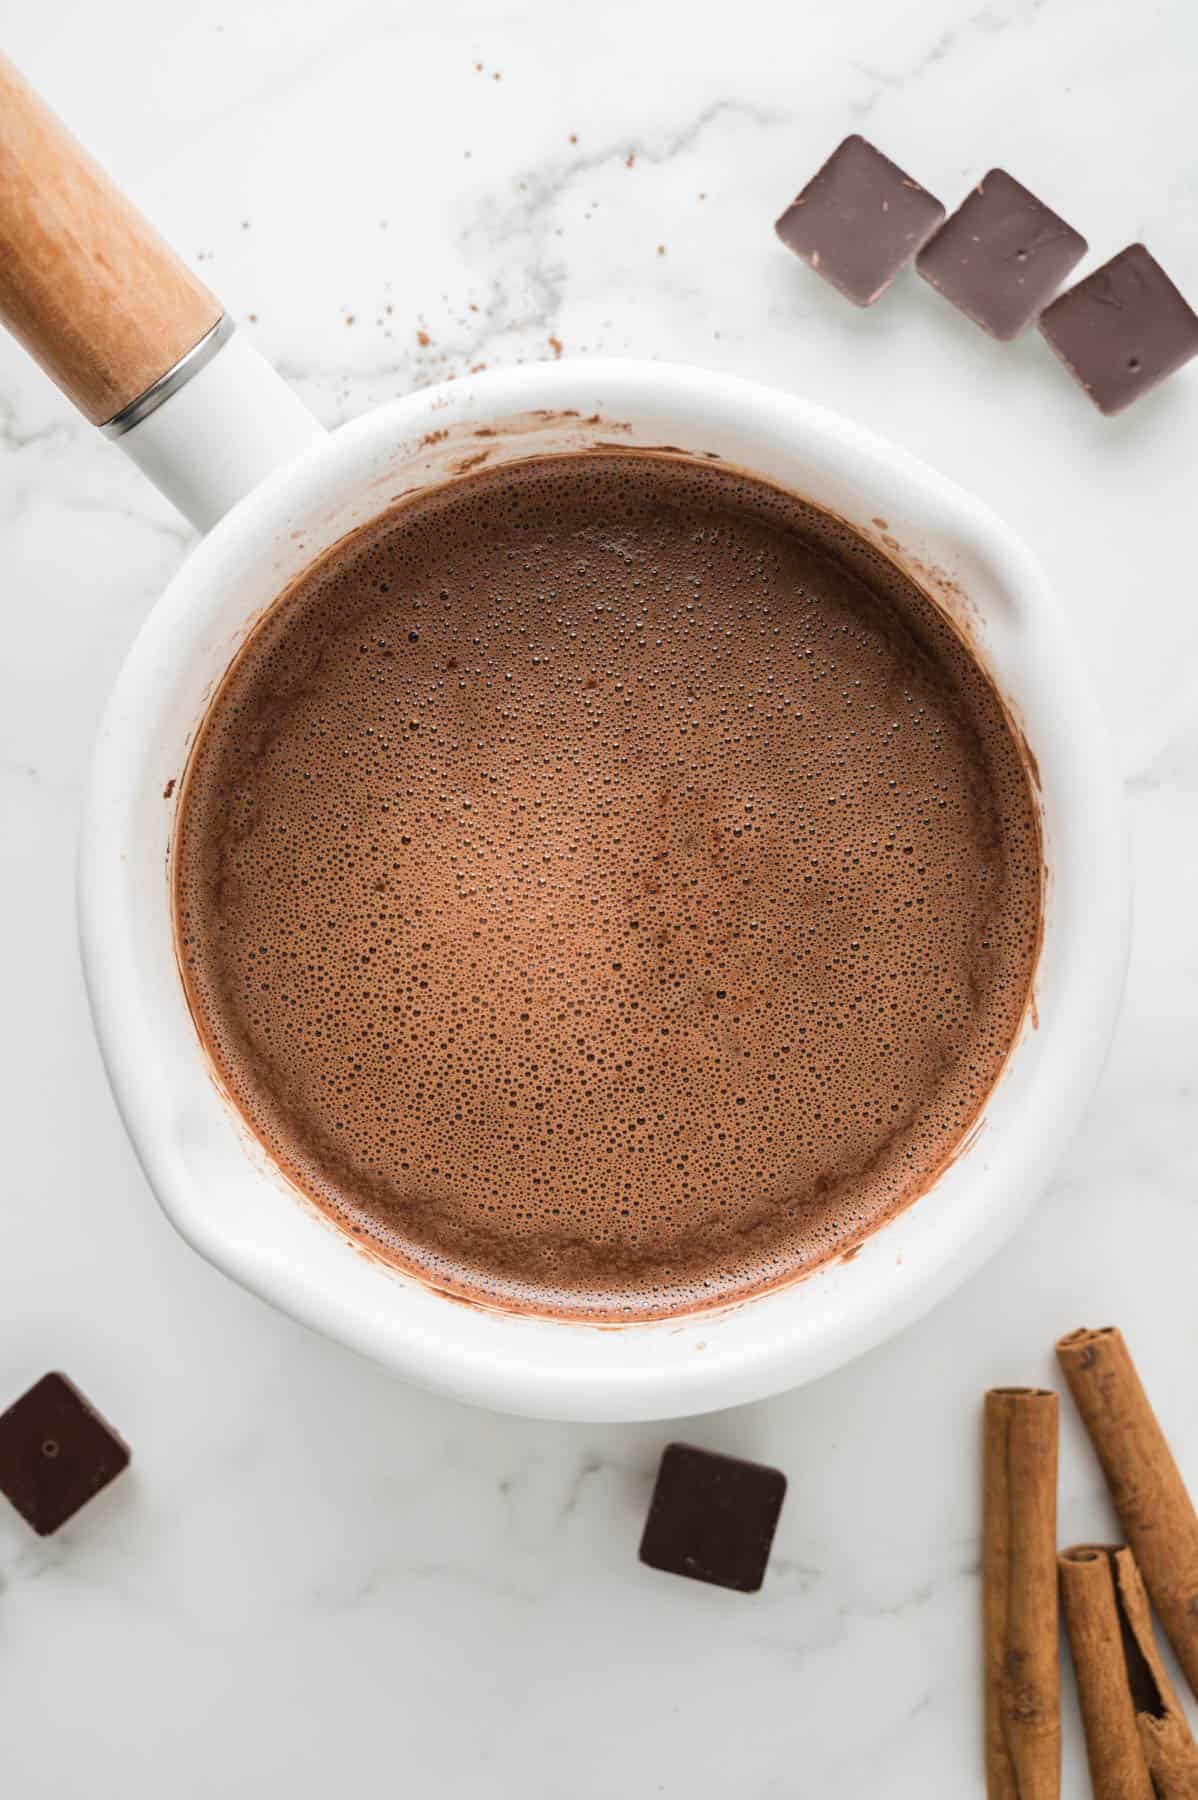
x,y
315,1579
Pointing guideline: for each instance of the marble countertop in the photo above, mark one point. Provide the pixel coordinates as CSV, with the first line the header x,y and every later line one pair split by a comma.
x,y
315,1579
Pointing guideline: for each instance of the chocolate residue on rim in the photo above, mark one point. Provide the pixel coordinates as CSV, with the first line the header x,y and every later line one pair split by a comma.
x,y
466,463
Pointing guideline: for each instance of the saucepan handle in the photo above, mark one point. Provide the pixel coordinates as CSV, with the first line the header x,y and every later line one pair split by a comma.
x,y
128,332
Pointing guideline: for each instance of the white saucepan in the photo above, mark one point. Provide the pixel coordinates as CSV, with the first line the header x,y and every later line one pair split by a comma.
x,y
146,352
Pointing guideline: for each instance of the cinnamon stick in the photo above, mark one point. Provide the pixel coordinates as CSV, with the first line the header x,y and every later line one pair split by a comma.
x,y
1019,1595
1118,1770
1165,1738
1150,1497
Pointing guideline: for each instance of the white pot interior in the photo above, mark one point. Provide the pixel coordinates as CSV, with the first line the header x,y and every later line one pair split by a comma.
x,y
209,1173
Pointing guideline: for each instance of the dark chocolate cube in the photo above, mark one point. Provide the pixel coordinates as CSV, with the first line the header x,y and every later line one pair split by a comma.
x,y
1123,329
712,1517
1002,255
859,220
56,1453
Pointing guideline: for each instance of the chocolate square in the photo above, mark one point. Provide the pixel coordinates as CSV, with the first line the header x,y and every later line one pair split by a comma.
x,y
712,1517
859,220
1002,255
1123,329
56,1453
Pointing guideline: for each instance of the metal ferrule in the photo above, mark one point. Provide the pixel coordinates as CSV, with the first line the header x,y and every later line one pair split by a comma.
x,y
195,359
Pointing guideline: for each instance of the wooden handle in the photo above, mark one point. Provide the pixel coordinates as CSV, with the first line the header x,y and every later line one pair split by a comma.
x,y
86,284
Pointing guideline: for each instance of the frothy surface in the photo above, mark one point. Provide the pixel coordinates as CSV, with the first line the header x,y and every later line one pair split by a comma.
x,y
607,886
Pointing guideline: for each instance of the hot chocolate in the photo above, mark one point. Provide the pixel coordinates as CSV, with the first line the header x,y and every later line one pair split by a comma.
x,y
607,886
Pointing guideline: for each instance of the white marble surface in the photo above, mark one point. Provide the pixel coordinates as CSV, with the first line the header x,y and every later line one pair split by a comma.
x,y
315,1580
